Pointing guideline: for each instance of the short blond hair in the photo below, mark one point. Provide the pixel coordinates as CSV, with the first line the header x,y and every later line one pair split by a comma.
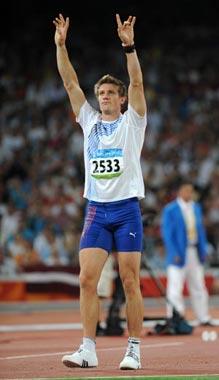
x,y
110,79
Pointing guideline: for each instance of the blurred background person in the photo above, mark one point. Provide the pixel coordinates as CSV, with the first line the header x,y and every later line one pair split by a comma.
x,y
186,251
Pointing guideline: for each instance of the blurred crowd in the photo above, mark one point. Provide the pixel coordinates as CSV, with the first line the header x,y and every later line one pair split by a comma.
x,y
41,145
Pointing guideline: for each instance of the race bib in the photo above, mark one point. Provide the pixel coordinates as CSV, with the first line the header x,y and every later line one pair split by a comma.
x,y
107,163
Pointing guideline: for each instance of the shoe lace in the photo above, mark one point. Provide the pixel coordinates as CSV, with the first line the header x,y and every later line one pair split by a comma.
x,y
80,348
130,352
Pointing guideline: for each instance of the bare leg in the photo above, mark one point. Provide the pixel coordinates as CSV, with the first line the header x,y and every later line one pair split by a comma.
x,y
129,269
92,261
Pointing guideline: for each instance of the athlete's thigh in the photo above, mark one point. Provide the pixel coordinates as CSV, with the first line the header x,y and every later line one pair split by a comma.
x,y
128,234
91,262
129,264
95,234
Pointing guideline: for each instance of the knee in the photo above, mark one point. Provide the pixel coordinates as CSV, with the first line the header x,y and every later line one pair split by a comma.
x,y
130,284
87,282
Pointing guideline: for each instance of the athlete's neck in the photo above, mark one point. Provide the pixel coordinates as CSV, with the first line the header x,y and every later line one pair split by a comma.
x,y
110,117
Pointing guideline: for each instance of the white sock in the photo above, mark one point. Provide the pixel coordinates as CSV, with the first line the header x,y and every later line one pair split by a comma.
x,y
135,344
89,344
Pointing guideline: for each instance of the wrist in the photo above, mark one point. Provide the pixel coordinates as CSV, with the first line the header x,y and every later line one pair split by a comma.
x,y
129,48
61,46
128,43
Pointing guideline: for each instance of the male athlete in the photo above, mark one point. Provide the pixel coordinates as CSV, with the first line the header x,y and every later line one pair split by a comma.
x,y
113,187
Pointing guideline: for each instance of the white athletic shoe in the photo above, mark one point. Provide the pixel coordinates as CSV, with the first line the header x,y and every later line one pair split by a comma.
x,y
81,358
131,360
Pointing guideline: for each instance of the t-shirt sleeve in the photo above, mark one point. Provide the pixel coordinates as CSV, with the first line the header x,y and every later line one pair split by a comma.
x,y
87,116
135,120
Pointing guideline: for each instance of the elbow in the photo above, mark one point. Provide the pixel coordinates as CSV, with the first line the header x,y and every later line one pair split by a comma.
x,y
137,83
69,86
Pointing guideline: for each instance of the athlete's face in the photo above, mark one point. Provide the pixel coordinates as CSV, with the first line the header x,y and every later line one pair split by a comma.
x,y
110,101
186,192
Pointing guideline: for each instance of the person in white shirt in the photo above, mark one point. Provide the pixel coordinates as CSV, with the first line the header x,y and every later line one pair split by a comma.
x,y
186,251
113,186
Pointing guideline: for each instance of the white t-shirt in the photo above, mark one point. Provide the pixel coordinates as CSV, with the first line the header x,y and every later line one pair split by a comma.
x,y
112,155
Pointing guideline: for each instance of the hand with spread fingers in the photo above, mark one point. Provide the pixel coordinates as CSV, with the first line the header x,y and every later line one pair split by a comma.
x,y
126,30
61,29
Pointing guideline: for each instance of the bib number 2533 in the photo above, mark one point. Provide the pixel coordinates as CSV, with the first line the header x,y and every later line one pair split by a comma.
x,y
106,167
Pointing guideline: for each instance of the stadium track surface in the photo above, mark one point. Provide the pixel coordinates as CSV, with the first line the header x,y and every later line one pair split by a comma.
x,y
37,353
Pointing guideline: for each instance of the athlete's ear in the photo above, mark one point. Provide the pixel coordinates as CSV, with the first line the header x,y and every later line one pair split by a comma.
x,y
124,104
123,99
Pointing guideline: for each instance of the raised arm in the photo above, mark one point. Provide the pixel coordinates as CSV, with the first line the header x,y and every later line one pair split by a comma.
x,y
136,89
66,70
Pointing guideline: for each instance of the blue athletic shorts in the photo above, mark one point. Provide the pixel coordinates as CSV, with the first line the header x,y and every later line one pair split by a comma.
x,y
113,226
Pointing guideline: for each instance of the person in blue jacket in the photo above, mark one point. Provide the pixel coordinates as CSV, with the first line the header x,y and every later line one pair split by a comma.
x,y
185,242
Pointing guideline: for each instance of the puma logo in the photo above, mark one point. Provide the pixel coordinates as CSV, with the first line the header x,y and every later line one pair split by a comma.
x,y
132,234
